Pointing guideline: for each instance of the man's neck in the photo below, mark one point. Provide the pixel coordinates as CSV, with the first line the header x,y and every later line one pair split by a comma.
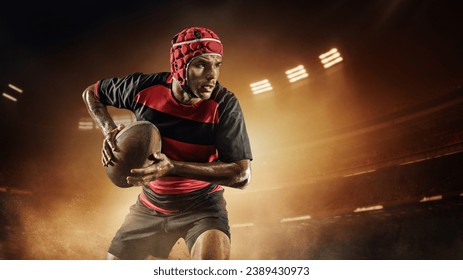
x,y
181,95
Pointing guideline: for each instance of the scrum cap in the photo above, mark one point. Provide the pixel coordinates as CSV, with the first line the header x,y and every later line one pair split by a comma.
x,y
189,43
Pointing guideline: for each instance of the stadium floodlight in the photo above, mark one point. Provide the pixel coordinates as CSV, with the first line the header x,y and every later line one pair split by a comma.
x,y
330,58
10,97
15,88
295,219
261,86
245,225
86,124
431,198
296,74
368,208
12,93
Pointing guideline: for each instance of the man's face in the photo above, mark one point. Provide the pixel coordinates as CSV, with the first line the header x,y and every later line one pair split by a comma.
x,y
203,73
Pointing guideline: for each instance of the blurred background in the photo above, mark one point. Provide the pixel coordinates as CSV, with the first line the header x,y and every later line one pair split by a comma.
x,y
355,124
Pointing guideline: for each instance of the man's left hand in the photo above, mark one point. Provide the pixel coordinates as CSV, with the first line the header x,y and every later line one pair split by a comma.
x,y
161,167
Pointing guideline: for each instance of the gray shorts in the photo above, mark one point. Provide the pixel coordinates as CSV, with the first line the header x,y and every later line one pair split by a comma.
x,y
146,232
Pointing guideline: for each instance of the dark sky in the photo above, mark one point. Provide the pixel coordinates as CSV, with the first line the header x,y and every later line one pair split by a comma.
x,y
396,53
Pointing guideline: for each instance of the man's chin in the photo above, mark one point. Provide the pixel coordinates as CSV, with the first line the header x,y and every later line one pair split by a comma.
x,y
204,95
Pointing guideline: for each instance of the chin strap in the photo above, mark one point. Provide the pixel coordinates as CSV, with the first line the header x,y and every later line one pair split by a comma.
x,y
188,90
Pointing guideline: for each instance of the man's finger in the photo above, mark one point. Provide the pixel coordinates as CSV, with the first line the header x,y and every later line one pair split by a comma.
x,y
135,181
120,127
156,157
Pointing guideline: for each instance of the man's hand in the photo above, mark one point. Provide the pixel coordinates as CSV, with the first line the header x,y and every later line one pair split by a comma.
x,y
161,166
109,146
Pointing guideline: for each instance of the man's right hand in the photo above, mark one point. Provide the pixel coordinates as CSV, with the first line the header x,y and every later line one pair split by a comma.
x,y
109,146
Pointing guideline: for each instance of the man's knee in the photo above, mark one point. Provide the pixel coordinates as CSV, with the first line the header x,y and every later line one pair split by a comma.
x,y
211,245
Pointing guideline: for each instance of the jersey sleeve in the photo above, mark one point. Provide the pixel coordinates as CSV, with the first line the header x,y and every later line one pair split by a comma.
x,y
120,92
232,138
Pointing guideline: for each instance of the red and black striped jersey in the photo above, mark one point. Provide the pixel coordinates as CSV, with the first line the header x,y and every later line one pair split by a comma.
x,y
207,131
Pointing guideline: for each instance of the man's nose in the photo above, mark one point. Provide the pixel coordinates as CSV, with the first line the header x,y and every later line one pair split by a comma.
x,y
212,73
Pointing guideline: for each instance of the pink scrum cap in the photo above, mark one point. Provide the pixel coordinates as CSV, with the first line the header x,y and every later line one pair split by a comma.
x,y
189,43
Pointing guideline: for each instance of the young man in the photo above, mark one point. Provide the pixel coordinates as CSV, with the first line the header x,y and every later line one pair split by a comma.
x,y
205,146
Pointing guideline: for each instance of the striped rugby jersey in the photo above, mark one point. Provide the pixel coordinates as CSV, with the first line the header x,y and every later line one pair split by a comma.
x,y
210,130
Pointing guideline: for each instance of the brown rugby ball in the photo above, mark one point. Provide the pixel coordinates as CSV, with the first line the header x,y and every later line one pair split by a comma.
x,y
135,143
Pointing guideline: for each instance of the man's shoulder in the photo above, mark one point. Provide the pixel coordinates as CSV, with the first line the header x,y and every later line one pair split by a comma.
x,y
156,78
222,94
140,77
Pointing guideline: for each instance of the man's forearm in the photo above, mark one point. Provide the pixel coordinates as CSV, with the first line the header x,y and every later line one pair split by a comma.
x,y
235,174
98,111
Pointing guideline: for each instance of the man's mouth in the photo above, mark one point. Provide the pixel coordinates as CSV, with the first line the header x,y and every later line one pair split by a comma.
x,y
208,87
